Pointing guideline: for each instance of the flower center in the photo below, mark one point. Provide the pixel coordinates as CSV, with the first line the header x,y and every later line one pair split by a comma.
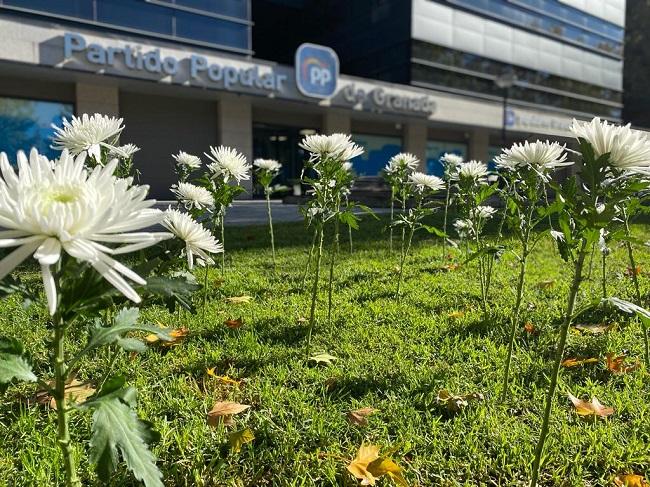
x,y
65,195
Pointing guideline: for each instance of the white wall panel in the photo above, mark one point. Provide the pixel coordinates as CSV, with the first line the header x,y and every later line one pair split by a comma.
x,y
610,10
445,26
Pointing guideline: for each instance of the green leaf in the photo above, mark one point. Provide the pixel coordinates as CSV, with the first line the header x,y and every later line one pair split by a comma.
x,y
350,219
434,230
116,427
125,321
14,364
172,290
239,438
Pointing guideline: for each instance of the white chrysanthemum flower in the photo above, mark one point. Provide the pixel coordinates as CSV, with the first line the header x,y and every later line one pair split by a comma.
x,y
228,163
402,162
193,196
270,165
463,228
189,161
559,236
538,155
451,160
425,181
629,150
483,212
47,209
124,151
339,146
348,166
87,133
475,170
198,240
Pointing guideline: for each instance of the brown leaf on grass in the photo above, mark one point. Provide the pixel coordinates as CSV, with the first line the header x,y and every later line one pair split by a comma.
x,y
451,267
455,403
617,365
456,314
629,272
239,299
233,324
224,379
223,411
630,480
368,466
239,438
360,416
548,284
595,408
593,328
75,391
177,336
530,328
575,362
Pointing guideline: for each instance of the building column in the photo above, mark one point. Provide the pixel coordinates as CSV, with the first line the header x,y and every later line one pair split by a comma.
x,y
335,122
479,144
235,129
415,141
97,98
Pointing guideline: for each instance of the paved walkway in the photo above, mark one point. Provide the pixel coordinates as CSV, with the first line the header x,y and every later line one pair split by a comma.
x,y
253,212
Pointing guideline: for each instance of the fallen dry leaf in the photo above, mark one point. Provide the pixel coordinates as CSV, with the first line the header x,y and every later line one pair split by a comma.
x,y
629,272
224,379
530,328
617,365
239,438
359,464
575,362
75,391
360,416
302,320
584,408
323,358
630,480
548,284
177,336
223,411
239,299
234,324
455,403
593,328
386,466
456,314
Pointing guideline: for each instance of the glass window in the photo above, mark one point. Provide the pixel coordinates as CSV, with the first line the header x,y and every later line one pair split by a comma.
x,y
377,150
438,148
209,29
231,8
27,123
70,8
135,15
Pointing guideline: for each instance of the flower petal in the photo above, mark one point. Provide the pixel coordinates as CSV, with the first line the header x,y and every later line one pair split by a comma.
x,y
49,252
50,288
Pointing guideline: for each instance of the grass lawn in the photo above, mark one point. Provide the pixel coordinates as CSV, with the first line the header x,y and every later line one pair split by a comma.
x,y
393,356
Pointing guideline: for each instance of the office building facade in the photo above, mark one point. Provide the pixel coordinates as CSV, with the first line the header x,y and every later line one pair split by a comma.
x,y
417,76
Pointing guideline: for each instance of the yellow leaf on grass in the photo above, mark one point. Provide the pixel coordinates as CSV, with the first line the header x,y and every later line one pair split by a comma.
x,y
360,416
593,328
359,464
456,314
223,411
239,299
239,438
75,392
323,358
548,284
595,408
617,365
630,480
177,336
575,362
223,378
234,324
386,466
455,403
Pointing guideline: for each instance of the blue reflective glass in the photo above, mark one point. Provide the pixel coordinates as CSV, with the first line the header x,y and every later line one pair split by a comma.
x,y
232,8
209,29
27,123
517,15
71,8
377,150
437,148
142,16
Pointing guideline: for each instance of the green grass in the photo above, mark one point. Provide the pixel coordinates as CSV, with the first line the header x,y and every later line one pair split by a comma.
x,y
394,356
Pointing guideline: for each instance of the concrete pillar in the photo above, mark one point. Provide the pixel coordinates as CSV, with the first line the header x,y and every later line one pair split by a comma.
x,y
235,129
335,121
479,144
415,141
93,98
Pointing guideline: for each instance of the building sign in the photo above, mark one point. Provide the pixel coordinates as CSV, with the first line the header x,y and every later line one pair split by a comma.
x,y
384,99
528,121
317,70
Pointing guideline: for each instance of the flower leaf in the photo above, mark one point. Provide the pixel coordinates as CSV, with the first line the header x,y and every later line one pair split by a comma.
x,y
117,427
14,364
125,321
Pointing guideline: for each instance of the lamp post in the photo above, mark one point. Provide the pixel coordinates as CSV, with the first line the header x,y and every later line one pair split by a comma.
x,y
505,81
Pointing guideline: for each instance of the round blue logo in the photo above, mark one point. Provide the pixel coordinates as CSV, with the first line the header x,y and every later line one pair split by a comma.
x,y
317,70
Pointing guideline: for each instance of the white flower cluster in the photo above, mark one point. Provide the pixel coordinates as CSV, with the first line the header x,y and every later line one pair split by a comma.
x,y
87,133
539,156
472,170
402,162
191,162
423,182
228,164
198,239
192,196
270,165
335,146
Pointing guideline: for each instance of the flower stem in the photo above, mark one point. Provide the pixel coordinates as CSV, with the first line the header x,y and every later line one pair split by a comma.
x,y
444,221
314,290
637,290
405,251
604,276
308,265
515,321
268,209
335,248
392,218
62,413
573,292
205,289
222,217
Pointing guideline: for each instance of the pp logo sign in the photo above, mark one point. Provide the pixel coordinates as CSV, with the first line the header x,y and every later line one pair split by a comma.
x,y
317,70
